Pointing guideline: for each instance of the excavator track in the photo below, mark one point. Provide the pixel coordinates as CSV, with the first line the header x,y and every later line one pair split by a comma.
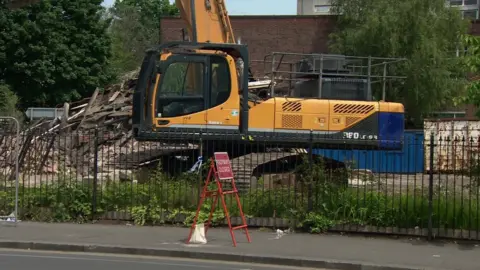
x,y
247,168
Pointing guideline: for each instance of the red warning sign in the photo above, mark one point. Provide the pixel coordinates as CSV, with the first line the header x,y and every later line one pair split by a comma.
x,y
224,168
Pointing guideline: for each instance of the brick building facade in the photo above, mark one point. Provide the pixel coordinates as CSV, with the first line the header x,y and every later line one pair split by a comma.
x,y
266,34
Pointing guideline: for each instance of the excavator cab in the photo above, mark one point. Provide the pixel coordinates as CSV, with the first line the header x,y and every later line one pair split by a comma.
x,y
191,88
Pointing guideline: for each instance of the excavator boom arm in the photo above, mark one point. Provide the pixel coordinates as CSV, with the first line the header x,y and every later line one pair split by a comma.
x,y
207,21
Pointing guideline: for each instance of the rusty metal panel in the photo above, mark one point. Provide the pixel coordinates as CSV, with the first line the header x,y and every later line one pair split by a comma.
x,y
455,144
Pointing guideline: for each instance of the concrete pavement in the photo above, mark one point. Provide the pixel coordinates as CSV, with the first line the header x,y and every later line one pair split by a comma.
x,y
321,251
41,260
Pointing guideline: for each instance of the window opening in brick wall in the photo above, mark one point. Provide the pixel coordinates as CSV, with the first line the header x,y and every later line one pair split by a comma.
x,y
456,2
321,8
470,14
470,2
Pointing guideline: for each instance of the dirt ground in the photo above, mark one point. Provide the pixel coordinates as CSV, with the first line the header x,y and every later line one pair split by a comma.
x,y
407,183
391,183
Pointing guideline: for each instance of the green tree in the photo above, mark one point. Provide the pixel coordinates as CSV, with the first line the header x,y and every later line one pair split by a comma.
x,y
54,51
9,103
426,33
134,29
130,38
471,57
151,11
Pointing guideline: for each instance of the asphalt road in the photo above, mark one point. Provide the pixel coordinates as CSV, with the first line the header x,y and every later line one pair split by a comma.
x,y
41,260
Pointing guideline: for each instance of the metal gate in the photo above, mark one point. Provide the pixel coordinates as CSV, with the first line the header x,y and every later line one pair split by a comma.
x,y
4,122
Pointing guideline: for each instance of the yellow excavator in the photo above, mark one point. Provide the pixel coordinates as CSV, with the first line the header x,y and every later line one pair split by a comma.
x,y
199,88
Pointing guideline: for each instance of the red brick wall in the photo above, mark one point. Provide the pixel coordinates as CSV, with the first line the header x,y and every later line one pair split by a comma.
x,y
475,28
266,34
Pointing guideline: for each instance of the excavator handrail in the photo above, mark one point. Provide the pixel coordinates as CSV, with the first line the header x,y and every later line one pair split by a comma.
x,y
339,56
370,68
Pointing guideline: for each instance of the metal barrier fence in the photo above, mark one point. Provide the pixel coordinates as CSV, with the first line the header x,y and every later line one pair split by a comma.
x,y
430,188
8,123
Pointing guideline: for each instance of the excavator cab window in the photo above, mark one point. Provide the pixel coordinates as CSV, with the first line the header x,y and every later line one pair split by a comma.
x,y
190,84
182,87
220,82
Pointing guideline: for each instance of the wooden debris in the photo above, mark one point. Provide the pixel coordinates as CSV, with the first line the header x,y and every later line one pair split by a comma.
x,y
69,142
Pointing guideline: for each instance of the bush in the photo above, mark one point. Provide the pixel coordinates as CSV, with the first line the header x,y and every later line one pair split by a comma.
x,y
9,103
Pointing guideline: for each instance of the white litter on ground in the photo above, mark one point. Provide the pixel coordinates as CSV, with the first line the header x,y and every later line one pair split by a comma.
x,y
10,219
279,234
198,235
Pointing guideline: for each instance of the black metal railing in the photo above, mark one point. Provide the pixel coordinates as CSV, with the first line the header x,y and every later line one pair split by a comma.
x,y
429,188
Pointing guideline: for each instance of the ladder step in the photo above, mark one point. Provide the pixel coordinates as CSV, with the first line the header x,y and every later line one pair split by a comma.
x,y
210,194
239,227
229,192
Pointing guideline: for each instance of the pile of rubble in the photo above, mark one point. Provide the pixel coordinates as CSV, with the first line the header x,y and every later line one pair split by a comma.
x,y
68,142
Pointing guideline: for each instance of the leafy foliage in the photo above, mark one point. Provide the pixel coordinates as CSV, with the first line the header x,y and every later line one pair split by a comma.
x,y
134,29
471,57
54,51
426,33
151,11
9,103
130,38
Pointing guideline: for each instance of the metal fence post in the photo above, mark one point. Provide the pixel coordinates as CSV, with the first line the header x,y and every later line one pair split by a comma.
x,y
430,188
310,162
200,172
95,175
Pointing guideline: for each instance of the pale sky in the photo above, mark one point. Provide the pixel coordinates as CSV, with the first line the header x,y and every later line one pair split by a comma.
x,y
253,7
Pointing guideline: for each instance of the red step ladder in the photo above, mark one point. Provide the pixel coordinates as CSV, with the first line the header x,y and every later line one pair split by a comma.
x,y
221,172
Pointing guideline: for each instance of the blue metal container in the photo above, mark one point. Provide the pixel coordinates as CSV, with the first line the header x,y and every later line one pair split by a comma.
x,y
408,160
